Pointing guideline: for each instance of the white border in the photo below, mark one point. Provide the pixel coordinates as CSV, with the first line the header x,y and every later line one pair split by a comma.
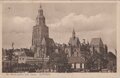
x,y
62,75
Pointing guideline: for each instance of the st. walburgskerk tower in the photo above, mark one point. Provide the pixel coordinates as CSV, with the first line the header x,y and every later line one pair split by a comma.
x,y
40,36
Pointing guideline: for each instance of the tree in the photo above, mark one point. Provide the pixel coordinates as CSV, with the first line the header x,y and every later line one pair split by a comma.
x,y
60,60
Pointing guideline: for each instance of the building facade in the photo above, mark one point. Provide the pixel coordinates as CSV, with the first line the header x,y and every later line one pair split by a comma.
x,y
73,50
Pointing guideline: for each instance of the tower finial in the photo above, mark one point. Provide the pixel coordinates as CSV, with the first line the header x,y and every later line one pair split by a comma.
x,y
40,10
40,6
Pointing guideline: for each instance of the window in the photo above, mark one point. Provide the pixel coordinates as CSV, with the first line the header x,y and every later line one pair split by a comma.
x,y
83,65
72,65
77,65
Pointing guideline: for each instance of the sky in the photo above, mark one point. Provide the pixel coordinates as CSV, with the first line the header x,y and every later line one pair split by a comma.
x,y
89,20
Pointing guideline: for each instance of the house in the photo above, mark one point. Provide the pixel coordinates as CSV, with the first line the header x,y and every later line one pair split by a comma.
x,y
25,56
97,45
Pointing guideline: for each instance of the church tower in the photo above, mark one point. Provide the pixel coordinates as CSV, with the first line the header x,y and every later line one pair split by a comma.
x,y
40,30
42,45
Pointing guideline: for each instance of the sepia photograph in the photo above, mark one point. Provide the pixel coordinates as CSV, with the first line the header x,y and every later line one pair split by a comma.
x,y
59,37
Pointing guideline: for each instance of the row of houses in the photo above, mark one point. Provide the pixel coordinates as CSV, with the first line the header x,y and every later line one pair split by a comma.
x,y
75,56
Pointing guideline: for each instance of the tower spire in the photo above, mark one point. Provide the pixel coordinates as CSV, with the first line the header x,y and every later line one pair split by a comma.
x,y
73,33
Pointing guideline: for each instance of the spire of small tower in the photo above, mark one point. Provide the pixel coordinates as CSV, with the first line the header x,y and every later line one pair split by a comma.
x,y
73,33
40,6
12,45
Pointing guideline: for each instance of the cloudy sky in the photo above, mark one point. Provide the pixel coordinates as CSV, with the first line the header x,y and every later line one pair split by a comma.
x,y
90,20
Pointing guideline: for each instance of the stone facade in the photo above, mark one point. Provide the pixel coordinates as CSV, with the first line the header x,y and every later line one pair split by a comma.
x,y
73,51
97,45
40,36
40,30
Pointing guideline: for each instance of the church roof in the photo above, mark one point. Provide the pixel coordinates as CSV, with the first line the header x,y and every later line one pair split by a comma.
x,y
96,41
47,41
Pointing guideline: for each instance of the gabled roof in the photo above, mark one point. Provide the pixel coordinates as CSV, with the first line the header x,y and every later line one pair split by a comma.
x,y
48,41
96,41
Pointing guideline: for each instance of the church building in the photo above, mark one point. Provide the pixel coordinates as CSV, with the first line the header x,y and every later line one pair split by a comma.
x,y
73,50
41,43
